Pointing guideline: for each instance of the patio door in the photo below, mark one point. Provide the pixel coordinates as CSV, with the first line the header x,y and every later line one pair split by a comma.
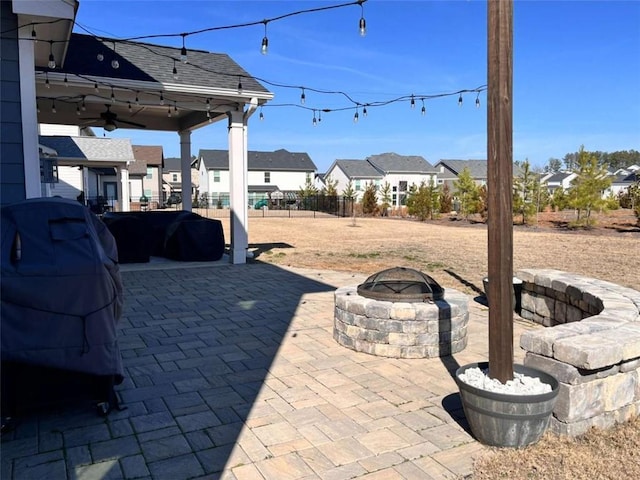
x,y
111,192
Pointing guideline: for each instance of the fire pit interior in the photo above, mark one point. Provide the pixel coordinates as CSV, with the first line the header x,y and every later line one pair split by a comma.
x,y
401,313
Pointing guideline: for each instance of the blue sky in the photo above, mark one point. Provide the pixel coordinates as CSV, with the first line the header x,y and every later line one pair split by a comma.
x,y
576,73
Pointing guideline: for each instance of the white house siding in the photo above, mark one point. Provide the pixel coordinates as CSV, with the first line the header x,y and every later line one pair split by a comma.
x,y
69,183
285,181
336,174
395,179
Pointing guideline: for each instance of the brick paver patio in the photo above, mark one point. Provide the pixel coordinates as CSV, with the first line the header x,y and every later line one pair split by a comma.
x,y
232,373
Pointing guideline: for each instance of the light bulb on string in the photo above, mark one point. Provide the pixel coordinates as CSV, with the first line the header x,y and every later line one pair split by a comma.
x,y
478,101
183,50
264,49
83,107
161,99
315,120
364,112
413,102
240,85
113,97
209,117
261,115
303,97
169,112
34,35
175,107
137,99
52,60
53,107
208,105
115,64
319,116
356,116
423,110
129,107
363,23
175,71
46,80
460,100
78,110
66,80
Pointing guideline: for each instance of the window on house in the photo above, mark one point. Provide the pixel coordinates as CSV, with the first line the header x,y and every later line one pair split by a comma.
x,y
216,176
440,181
267,177
358,186
149,173
395,188
308,176
403,186
174,177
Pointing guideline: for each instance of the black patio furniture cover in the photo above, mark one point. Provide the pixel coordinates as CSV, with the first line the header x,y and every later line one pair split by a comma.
x,y
194,240
61,291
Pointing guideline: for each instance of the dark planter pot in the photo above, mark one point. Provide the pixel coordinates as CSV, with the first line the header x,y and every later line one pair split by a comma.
x,y
517,293
504,420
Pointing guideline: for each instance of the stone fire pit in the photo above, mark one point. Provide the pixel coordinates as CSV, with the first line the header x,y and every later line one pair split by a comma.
x,y
418,329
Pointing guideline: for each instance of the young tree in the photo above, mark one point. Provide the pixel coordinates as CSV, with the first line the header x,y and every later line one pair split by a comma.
x,y
585,193
423,200
466,192
446,202
349,191
385,194
308,194
524,192
559,199
331,187
369,199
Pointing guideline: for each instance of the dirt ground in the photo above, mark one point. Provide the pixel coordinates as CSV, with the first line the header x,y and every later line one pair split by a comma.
x,y
454,252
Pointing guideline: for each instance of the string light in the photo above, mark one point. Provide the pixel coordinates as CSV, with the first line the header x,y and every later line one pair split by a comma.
x,y
478,101
460,100
34,35
240,85
137,98
356,116
208,103
83,107
314,121
264,49
261,114
52,60
115,64
129,107
161,99
209,117
364,112
302,97
66,81
46,80
413,102
363,22
113,97
175,71
423,110
175,107
78,110
53,107
319,116
183,50
169,112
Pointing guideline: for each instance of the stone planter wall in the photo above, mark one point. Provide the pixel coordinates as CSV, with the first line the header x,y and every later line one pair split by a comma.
x,y
592,346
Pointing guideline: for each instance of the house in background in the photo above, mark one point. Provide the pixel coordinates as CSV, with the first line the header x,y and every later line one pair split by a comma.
x,y
449,170
400,171
554,181
90,169
172,178
145,175
620,183
277,176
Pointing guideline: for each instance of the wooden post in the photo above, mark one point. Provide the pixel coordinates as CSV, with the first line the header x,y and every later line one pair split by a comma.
x,y
499,187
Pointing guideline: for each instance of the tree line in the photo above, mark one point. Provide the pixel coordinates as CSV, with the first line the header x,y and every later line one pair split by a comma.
x,y
610,160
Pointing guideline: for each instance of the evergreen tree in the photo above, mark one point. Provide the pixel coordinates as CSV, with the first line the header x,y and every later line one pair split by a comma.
x,y
331,187
524,192
466,192
419,201
369,200
308,194
385,194
434,197
446,202
349,192
586,190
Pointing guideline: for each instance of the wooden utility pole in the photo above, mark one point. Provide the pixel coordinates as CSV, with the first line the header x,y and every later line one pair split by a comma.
x,y
499,187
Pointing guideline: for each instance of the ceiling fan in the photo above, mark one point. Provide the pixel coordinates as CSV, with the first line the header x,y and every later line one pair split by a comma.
x,y
111,121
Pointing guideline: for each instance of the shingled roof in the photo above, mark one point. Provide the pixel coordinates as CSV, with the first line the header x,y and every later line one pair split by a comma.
x,y
477,168
154,63
394,163
357,169
94,149
263,161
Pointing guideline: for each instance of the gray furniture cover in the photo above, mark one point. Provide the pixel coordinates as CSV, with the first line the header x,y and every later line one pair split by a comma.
x,y
61,291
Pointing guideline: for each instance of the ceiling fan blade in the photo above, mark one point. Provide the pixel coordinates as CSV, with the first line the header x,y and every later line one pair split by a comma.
x,y
139,125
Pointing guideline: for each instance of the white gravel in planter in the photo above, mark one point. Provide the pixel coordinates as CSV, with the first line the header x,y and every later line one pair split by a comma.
x,y
520,385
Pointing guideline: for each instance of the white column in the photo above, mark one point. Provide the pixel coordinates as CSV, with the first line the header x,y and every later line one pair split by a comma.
x,y
32,186
185,169
123,189
238,183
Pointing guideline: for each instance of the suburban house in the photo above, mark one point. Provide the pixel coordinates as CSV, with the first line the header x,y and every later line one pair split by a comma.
x,y
145,176
274,176
399,171
621,183
556,180
172,178
54,76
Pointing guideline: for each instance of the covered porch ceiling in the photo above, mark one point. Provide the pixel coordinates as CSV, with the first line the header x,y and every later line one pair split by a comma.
x,y
142,92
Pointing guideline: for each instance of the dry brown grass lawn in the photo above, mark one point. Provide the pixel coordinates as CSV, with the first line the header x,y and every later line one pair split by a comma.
x,y
455,254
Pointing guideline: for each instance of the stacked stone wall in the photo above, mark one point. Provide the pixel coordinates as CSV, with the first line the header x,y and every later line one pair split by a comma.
x,y
592,346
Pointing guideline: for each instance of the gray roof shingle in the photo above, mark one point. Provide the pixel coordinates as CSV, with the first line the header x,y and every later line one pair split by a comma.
x,y
394,163
154,63
477,168
90,148
280,160
358,169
